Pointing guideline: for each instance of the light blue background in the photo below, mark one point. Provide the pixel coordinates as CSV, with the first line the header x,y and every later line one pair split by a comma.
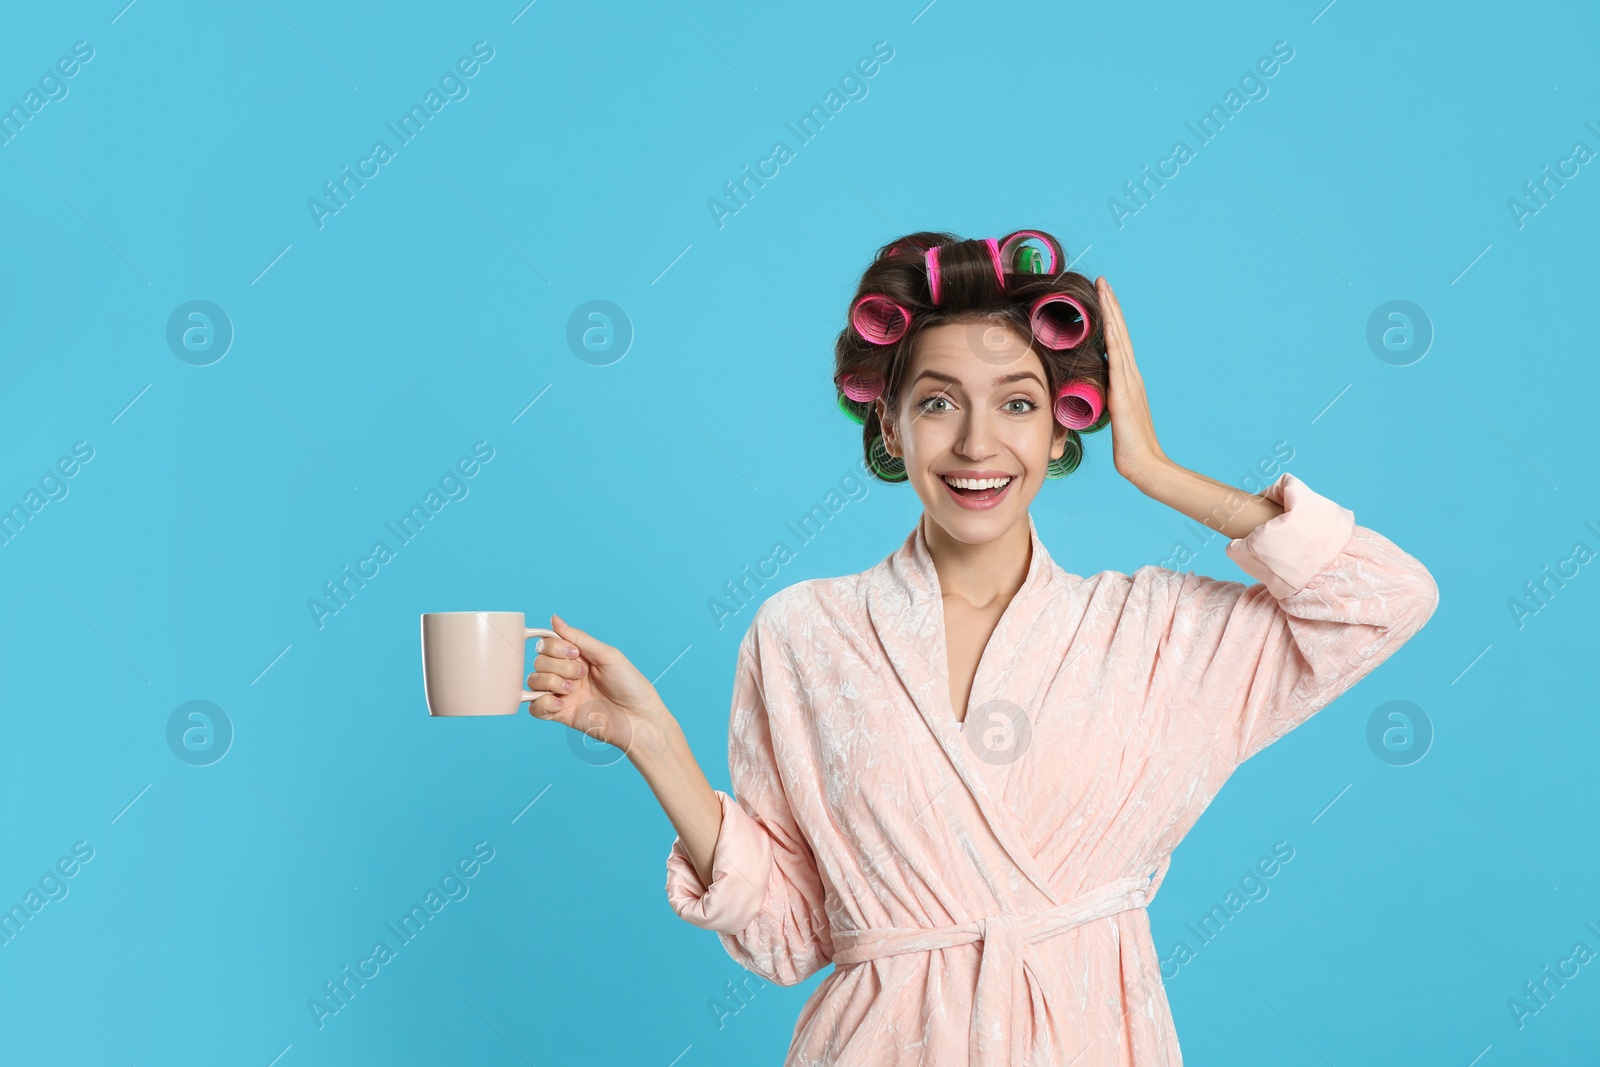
x,y
425,316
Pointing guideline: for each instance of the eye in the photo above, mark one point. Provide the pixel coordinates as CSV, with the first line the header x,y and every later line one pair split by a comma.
x,y
1031,406
935,398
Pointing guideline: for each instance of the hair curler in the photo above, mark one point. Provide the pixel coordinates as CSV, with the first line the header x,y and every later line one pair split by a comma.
x,y
879,319
1054,324
994,257
1071,456
1078,404
862,388
1015,252
852,408
931,259
886,467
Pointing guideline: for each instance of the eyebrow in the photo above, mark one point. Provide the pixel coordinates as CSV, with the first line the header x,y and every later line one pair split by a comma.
x,y
1002,380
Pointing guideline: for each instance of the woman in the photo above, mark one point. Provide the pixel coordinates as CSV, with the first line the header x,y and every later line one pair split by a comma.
x,y
961,774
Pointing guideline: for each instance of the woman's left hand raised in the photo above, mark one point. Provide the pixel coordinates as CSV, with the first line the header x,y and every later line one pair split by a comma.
x,y
1135,451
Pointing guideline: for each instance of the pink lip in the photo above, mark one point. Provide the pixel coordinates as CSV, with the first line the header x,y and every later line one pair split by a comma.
x,y
968,502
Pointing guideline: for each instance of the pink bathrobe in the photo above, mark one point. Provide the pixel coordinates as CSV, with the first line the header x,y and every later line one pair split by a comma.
x,y
981,892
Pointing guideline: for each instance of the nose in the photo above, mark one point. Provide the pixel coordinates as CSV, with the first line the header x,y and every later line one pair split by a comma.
x,y
977,438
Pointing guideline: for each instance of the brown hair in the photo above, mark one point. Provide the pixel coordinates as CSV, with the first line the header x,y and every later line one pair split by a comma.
x,y
970,292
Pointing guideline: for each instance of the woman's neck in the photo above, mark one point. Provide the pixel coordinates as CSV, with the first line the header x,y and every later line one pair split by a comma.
x,y
981,574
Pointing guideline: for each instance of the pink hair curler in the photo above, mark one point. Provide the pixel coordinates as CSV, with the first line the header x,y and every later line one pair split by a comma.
x,y
1078,404
880,320
1052,322
1008,251
994,256
862,388
931,259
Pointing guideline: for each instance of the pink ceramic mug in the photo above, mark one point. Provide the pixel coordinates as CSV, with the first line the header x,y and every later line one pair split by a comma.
x,y
472,661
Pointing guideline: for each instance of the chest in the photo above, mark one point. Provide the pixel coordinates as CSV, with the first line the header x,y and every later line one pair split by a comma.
x,y
967,631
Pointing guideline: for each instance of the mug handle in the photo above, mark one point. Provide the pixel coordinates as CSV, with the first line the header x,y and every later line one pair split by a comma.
x,y
532,632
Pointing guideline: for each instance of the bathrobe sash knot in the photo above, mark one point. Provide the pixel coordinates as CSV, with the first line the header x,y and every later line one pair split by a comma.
x,y
999,1007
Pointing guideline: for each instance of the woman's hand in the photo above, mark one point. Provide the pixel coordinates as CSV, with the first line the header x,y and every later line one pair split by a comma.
x,y
590,686
1135,452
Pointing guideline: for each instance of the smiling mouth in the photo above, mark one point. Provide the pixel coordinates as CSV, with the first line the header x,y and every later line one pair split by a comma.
x,y
977,490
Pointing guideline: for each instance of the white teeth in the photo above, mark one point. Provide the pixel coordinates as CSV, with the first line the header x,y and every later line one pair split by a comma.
x,y
978,483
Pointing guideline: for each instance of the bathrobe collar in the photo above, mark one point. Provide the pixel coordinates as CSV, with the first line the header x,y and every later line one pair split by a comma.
x,y
905,604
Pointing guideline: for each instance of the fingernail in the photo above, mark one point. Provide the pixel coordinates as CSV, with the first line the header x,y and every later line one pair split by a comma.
x,y
572,651
566,685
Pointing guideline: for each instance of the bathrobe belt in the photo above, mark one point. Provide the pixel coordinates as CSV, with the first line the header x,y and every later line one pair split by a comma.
x,y
997,1009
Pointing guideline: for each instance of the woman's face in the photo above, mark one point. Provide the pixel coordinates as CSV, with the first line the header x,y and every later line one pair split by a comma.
x,y
974,409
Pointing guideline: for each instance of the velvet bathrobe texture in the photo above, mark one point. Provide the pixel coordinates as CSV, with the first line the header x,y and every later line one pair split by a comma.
x,y
981,892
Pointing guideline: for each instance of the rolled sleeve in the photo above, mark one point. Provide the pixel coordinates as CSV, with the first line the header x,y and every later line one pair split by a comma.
x,y
1288,552
740,867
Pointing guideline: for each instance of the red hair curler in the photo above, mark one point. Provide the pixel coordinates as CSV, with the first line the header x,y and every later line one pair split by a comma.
x,y
1078,404
878,319
994,256
862,388
1053,324
931,259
